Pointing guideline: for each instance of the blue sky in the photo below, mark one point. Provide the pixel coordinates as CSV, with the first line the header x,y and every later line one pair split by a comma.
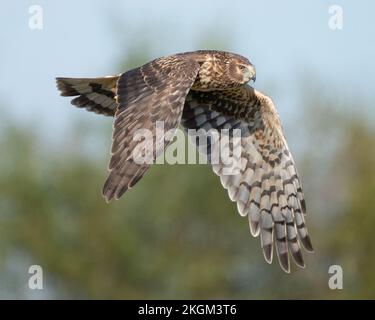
x,y
287,41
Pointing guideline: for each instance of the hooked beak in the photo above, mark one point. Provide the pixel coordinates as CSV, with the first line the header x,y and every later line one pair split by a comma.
x,y
250,74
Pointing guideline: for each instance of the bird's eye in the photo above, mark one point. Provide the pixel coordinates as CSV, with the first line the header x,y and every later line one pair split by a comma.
x,y
242,68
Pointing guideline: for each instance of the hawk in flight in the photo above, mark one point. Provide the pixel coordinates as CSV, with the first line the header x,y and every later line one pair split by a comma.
x,y
204,90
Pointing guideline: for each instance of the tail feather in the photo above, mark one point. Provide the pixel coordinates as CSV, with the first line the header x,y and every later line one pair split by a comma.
x,y
94,94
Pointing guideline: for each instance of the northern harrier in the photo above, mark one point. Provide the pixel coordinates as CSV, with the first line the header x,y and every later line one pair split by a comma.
x,y
203,90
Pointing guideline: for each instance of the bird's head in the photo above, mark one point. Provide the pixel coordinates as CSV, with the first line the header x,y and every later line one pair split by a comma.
x,y
241,70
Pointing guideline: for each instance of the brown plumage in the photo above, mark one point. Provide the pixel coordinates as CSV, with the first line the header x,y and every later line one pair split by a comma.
x,y
205,90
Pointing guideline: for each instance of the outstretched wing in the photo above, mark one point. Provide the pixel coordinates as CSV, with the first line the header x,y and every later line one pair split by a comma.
x,y
93,94
266,188
153,93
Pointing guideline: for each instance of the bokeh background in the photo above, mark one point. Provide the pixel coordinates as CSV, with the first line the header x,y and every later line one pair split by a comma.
x,y
177,234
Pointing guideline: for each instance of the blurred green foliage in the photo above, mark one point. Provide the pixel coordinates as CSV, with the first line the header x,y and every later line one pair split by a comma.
x,y
176,234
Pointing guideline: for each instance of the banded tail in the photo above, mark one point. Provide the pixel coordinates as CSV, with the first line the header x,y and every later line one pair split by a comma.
x,y
94,94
